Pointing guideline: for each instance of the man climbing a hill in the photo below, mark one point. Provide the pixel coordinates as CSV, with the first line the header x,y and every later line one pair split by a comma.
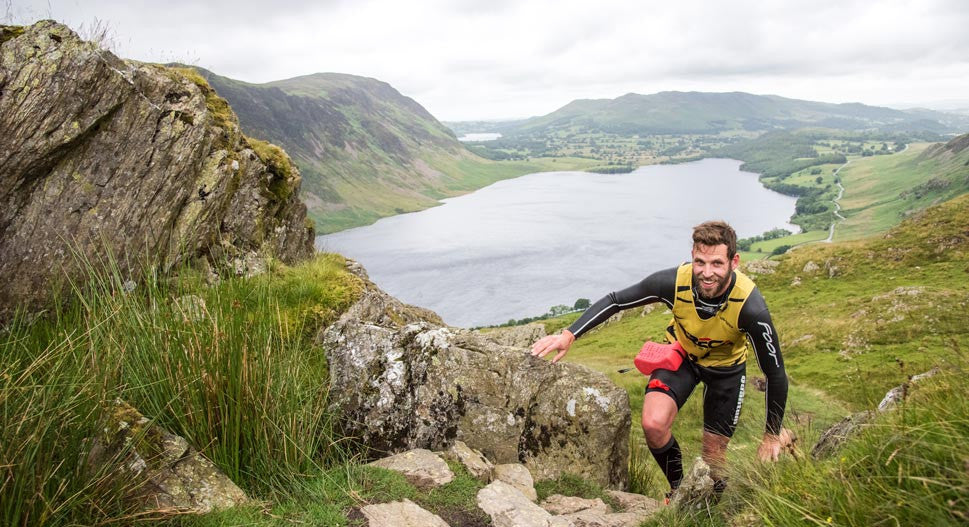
x,y
716,310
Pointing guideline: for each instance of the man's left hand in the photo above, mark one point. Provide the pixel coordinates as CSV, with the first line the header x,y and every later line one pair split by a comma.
x,y
770,447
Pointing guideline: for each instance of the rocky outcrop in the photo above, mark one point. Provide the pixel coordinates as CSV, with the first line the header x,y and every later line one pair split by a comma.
x,y
400,379
696,491
760,267
161,470
103,156
519,477
837,434
559,504
517,336
510,508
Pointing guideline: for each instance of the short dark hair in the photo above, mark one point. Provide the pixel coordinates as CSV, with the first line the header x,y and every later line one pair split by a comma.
x,y
711,233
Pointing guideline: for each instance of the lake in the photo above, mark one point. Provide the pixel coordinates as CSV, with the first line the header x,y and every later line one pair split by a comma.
x,y
480,136
519,246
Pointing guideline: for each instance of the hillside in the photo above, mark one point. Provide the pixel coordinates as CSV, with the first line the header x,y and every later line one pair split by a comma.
x,y
855,319
872,313
883,190
711,113
364,150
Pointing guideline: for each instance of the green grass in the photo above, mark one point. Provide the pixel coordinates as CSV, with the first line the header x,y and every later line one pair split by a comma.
x,y
239,378
875,197
329,499
765,247
909,468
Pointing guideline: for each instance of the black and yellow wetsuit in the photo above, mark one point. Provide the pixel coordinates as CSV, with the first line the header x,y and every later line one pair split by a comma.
x,y
715,333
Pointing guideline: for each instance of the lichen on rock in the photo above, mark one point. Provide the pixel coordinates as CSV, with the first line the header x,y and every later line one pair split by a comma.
x,y
146,163
400,379
159,470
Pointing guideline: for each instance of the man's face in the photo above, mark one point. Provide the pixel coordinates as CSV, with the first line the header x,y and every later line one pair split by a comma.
x,y
712,268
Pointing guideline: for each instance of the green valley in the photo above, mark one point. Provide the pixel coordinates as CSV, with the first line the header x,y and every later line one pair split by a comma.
x,y
364,150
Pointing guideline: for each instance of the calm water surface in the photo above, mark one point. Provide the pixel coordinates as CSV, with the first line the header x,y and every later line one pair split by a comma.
x,y
520,246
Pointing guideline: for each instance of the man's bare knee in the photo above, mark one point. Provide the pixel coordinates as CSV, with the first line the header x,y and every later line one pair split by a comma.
x,y
657,431
659,411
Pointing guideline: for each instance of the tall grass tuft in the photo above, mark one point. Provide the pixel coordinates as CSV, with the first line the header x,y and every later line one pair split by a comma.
x,y
233,368
51,399
910,467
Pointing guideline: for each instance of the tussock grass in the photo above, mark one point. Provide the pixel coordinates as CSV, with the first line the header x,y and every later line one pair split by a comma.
x,y
909,468
232,368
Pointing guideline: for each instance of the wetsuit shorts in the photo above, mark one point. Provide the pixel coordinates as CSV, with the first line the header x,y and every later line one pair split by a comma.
x,y
723,392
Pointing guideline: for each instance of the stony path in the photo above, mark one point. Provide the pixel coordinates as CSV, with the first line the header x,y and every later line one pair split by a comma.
x,y
837,207
509,498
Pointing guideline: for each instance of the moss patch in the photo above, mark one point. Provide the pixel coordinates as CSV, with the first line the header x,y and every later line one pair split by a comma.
x,y
218,108
279,165
10,32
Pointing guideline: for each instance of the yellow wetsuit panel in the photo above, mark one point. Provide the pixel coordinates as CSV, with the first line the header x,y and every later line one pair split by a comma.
x,y
715,341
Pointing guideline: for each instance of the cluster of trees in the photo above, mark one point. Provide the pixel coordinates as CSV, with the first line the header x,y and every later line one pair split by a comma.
x,y
613,169
811,204
745,243
555,311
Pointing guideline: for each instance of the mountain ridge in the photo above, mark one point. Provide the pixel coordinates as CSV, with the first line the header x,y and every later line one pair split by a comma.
x,y
683,112
364,149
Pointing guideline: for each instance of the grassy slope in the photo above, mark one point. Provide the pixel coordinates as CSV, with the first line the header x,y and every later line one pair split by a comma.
x,y
366,204
846,340
885,338
880,191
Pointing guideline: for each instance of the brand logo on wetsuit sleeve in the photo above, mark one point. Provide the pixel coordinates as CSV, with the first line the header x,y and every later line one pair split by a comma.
x,y
769,339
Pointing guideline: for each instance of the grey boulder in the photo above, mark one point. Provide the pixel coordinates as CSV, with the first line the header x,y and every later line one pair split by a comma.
x,y
400,379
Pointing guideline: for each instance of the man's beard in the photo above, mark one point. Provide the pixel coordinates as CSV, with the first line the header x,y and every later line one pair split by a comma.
x,y
718,290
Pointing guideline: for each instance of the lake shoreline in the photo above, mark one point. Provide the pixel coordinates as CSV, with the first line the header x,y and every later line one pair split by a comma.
x,y
517,247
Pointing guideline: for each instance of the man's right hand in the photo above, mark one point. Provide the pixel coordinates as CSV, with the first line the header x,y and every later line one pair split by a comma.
x,y
560,343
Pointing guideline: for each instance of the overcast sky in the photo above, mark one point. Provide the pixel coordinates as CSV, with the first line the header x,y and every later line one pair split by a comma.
x,y
498,59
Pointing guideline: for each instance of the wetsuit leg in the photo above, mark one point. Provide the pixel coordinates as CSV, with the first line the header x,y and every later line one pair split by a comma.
x,y
678,384
723,396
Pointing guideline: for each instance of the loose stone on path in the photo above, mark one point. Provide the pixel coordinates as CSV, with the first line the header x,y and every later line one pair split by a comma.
x,y
508,507
421,467
478,465
400,514
518,477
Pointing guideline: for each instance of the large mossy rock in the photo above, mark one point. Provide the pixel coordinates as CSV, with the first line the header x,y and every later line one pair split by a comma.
x,y
400,379
104,156
161,470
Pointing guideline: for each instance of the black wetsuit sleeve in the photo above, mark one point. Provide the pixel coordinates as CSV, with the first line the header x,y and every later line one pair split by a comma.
x,y
659,286
755,321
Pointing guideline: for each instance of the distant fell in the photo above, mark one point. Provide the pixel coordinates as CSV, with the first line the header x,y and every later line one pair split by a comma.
x,y
674,112
364,149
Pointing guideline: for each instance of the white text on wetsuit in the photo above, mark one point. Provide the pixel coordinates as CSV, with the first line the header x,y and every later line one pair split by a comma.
x,y
769,339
